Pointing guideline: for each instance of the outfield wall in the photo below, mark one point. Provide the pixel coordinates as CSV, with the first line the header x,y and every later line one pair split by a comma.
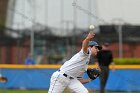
x,y
125,78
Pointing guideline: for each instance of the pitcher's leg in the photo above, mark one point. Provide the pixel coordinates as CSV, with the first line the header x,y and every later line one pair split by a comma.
x,y
56,83
76,86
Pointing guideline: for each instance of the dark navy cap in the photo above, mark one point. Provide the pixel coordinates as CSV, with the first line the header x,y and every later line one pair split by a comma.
x,y
93,43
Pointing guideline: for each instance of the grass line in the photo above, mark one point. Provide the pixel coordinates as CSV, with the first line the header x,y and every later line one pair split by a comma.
x,y
45,91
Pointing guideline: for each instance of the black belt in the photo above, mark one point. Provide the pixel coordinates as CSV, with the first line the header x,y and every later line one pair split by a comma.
x,y
66,75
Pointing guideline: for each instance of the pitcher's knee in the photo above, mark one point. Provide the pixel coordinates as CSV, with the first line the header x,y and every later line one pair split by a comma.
x,y
84,91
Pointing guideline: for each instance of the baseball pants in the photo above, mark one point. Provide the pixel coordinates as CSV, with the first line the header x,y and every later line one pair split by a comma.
x,y
59,83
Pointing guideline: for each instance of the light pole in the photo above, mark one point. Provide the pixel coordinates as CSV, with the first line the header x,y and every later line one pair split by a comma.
x,y
89,7
62,13
67,23
120,41
119,22
32,30
32,41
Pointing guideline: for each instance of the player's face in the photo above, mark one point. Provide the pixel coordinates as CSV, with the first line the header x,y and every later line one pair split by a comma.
x,y
94,50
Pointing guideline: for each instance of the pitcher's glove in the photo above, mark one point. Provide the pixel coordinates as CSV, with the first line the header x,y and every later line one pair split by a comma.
x,y
93,73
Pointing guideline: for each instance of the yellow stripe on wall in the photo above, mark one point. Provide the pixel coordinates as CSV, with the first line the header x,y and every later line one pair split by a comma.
x,y
58,66
29,66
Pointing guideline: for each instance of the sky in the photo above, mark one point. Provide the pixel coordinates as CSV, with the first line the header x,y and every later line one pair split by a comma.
x,y
53,13
61,13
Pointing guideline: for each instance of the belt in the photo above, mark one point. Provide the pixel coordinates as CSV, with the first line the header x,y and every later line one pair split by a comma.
x,y
64,74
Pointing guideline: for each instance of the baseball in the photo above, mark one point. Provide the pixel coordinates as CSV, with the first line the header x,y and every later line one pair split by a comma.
x,y
91,27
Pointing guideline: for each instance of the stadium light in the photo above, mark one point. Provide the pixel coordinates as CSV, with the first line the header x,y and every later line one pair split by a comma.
x,y
119,22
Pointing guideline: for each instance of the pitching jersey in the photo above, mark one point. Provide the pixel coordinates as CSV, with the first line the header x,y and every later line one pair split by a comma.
x,y
77,65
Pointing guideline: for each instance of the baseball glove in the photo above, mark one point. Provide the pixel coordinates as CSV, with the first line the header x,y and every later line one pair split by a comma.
x,y
3,79
93,73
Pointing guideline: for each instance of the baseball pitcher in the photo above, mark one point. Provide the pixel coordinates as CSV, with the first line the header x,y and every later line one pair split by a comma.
x,y
71,72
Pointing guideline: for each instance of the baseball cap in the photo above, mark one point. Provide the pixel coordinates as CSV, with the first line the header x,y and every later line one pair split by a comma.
x,y
93,43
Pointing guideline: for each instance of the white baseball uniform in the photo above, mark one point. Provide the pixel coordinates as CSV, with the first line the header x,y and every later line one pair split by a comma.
x,y
70,71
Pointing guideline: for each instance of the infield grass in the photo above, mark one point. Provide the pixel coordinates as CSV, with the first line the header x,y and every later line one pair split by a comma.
x,y
45,91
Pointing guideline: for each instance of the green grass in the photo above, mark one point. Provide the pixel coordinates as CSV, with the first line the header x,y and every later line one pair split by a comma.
x,y
45,91
127,61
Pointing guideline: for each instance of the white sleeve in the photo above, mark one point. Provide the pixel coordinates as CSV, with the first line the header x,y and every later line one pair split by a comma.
x,y
82,53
